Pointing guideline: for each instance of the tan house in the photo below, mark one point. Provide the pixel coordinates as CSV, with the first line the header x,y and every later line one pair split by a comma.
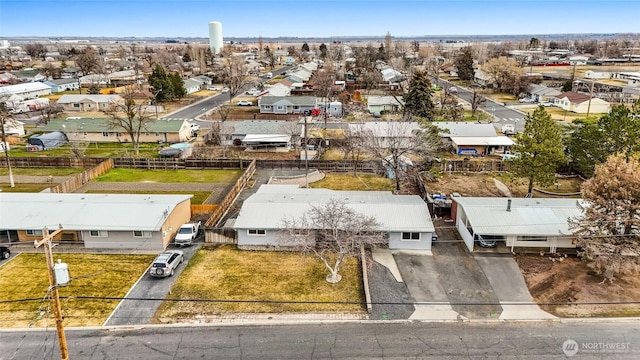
x,y
581,103
88,102
100,130
100,221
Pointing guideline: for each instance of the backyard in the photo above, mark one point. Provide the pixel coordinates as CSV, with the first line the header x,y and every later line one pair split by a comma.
x,y
24,282
221,280
170,176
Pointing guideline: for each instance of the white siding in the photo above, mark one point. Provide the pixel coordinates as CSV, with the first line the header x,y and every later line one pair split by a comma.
x,y
123,240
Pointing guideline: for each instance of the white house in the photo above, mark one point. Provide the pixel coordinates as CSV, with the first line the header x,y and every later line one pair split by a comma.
x,y
400,134
405,219
27,90
378,104
286,104
88,102
519,222
261,134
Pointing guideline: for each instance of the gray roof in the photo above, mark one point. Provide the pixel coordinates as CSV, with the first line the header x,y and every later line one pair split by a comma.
x,y
261,127
293,100
73,124
33,211
192,83
271,204
63,81
528,216
463,128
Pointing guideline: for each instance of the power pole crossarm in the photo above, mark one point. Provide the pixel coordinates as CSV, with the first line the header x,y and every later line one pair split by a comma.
x,y
46,241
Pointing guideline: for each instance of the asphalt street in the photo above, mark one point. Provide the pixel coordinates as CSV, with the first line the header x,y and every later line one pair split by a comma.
x,y
382,340
502,114
194,110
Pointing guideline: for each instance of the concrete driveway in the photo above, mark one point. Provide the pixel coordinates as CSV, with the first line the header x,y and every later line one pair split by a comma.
x,y
138,312
507,281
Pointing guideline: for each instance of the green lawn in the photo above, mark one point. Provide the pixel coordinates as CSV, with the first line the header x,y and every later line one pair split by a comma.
x,y
199,197
227,274
350,182
101,150
24,187
25,277
41,171
170,176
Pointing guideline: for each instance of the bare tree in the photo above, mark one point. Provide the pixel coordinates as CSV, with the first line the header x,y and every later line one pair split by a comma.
x,y
77,143
36,50
233,72
49,112
332,232
352,146
476,101
129,116
87,60
393,142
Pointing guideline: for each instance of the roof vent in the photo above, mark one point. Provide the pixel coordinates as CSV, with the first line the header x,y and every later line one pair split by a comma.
x,y
509,205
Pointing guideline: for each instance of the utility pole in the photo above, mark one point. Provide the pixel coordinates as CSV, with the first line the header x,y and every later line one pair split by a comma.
x,y
46,241
306,156
4,119
590,97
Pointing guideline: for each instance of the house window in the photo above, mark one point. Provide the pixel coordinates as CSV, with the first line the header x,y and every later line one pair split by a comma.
x,y
141,234
34,232
267,107
532,238
296,107
256,232
105,134
76,105
89,105
411,236
280,107
98,233
157,134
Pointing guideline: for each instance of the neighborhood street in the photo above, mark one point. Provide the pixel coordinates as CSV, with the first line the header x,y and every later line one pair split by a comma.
x,y
382,340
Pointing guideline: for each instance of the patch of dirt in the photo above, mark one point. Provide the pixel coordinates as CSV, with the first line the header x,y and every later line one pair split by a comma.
x,y
465,185
560,280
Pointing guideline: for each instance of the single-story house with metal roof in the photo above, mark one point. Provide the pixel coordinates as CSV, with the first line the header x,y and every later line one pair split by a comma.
x,y
519,222
261,134
100,130
59,85
404,218
88,102
100,221
388,133
378,104
286,104
481,145
29,90
542,93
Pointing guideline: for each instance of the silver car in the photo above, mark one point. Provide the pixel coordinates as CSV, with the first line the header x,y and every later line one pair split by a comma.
x,y
165,264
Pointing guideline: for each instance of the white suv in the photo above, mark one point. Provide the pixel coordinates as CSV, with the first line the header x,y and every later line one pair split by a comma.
x,y
165,264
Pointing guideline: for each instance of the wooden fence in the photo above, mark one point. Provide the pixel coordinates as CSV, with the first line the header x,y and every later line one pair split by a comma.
x,y
76,181
151,164
230,197
372,167
39,162
203,209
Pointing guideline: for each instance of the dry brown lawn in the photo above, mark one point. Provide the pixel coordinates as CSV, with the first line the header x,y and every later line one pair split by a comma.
x,y
220,280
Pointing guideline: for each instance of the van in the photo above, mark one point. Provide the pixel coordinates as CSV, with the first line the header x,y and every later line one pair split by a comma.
x,y
269,75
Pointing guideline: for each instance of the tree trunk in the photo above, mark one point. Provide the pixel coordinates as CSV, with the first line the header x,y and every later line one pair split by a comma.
x,y
530,189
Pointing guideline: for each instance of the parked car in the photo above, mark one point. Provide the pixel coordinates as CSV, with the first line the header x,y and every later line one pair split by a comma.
x,y
5,253
165,264
187,233
269,75
194,127
225,90
244,103
453,89
252,92
527,100
214,88
546,103
486,241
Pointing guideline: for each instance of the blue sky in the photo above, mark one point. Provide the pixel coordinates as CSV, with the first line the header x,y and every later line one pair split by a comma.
x,y
271,18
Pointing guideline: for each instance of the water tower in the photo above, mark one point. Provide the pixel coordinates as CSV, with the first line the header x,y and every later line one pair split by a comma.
x,y
215,36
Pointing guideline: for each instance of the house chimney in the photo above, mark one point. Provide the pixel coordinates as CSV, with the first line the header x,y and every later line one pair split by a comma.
x,y
509,205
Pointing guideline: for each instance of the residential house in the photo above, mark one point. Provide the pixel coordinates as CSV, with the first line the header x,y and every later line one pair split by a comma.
x,y
519,222
286,104
88,102
581,103
632,77
289,60
14,130
483,136
192,85
261,134
400,134
100,130
60,85
100,221
380,104
541,93
391,75
278,89
94,79
482,78
30,90
125,77
404,219
479,145
591,74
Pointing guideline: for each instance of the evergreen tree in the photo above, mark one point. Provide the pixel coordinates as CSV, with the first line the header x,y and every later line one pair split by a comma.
x,y
540,149
464,64
159,80
418,100
305,47
177,86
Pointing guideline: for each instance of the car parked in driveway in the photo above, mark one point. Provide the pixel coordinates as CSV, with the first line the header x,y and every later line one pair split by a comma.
x,y
225,90
5,253
244,103
166,263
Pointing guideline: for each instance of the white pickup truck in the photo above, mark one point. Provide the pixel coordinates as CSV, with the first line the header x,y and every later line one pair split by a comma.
x,y
187,234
